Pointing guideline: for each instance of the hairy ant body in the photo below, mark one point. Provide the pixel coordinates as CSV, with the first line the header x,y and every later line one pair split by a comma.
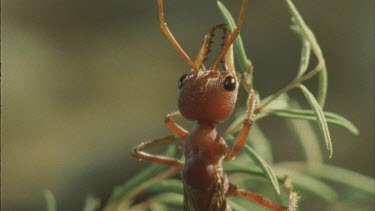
x,y
208,97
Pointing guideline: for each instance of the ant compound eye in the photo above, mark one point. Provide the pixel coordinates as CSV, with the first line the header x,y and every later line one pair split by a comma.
x,y
230,83
181,81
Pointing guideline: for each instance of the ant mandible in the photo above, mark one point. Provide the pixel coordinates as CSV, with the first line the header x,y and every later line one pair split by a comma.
x,y
208,97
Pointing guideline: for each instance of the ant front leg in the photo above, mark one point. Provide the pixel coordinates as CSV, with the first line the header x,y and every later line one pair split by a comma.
x,y
140,154
234,191
242,137
175,128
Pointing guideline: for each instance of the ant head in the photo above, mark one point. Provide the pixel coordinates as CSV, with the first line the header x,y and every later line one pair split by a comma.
x,y
210,95
207,95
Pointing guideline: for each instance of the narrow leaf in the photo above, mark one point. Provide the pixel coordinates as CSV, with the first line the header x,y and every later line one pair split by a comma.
x,y
344,176
50,200
124,190
336,174
321,67
302,182
121,191
236,206
91,204
169,198
305,51
237,124
322,122
279,103
310,115
308,140
258,140
308,184
251,169
282,102
168,185
157,207
323,86
264,166
244,204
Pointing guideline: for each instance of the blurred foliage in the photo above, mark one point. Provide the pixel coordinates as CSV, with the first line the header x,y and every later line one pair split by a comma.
x,y
85,81
306,177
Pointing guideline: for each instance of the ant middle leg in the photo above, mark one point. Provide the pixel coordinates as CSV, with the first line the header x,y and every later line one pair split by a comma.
x,y
140,154
174,42
242,137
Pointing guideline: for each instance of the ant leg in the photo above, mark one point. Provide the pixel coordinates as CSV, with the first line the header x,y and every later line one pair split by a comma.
x,y
234,191
174,42
140,154
175,128
242,137
234,35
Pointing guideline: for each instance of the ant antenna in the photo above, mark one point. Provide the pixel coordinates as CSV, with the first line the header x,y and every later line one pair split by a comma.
x,y
233,37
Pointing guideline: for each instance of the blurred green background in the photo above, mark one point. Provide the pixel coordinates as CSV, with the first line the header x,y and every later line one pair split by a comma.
x,y
84,81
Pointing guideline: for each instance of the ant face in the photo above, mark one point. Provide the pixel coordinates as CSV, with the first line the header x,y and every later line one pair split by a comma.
x,y
207,95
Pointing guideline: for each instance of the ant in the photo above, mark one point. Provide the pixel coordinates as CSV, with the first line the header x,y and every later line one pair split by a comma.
x,y
208,97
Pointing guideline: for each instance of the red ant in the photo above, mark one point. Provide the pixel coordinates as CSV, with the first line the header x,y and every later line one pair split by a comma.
x,y
208,97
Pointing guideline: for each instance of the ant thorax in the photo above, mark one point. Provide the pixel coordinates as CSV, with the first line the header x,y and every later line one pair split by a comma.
x,y
207,96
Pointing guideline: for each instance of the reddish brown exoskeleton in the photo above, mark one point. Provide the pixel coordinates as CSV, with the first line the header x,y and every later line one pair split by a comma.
x,y
206,96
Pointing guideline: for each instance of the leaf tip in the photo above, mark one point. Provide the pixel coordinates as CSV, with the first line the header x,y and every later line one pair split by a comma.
x,y
330,152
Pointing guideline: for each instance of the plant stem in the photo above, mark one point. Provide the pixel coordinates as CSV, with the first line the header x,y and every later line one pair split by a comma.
x,y
295,83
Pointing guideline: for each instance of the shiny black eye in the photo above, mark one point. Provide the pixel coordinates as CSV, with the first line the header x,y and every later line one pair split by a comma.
x,y
181,81
230,83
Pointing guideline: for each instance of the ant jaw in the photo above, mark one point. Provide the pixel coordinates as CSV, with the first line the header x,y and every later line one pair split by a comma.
x,y
195,70
213,73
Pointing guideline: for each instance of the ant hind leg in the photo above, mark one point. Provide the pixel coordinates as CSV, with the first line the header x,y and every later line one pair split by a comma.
x,y
234,191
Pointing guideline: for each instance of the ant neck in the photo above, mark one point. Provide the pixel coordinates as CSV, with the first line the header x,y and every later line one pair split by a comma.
x,y
205,123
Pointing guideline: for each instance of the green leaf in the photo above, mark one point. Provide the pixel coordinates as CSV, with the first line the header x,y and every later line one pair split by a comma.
x,y
323,86
91,204
236,125
344,176
50,200
168,185
282,102
127,188
305,51
320,117
308,184
308,140
264,166
300,181
310,115
252,169
238,206
157,207
123,190
336,174
309,36
169,198
258,140
238,44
